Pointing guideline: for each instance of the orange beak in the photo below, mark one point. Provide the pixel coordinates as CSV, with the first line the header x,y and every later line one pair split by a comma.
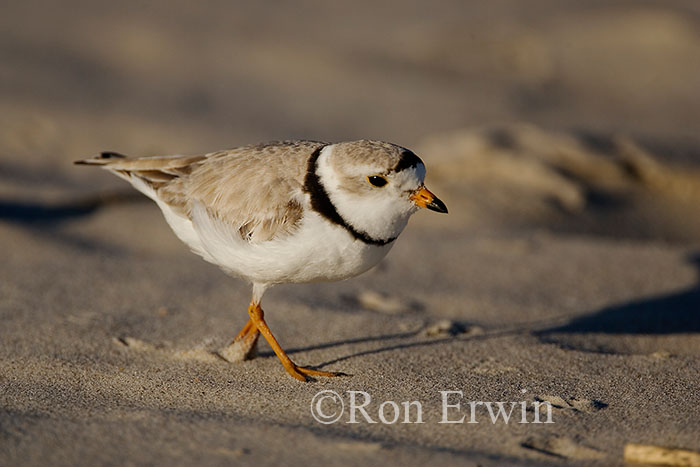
x,y
425,199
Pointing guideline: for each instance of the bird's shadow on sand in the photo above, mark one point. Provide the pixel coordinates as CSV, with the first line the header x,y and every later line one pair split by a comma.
x,y
405,341
673,313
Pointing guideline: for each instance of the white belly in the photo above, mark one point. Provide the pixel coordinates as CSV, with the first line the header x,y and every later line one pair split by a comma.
x,y
317,251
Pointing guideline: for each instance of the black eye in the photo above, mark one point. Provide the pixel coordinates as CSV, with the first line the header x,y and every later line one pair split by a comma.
x,y
377,180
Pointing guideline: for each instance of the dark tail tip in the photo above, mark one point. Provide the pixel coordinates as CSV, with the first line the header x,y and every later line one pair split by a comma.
x,y
111,155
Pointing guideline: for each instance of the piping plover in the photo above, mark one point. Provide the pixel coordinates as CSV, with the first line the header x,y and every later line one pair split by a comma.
x,y
293,211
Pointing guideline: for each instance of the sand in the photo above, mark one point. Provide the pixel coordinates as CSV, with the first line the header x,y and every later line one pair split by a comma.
x,y
567,271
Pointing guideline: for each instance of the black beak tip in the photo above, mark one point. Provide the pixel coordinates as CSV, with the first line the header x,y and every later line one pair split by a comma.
x,y
437,206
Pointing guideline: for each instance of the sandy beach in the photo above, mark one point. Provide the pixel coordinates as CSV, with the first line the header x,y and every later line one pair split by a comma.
x,y
563,137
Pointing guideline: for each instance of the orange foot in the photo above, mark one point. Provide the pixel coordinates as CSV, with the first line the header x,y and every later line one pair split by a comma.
x,y
298,372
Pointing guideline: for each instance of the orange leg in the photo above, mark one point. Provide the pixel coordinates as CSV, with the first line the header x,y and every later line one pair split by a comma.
x,y
244,331
249,334
257,317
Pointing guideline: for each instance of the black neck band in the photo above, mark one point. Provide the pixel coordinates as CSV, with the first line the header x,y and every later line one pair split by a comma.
x,y
321,203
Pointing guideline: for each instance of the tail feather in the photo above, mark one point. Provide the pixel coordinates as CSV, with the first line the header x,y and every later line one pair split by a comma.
x,y
146,174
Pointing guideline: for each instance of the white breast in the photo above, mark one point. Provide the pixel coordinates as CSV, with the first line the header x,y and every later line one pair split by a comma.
x,y
317,251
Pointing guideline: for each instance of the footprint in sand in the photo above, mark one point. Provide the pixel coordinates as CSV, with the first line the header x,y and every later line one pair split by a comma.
x,y
571,405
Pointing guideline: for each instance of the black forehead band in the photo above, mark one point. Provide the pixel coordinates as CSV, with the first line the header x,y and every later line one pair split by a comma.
x,y
408,160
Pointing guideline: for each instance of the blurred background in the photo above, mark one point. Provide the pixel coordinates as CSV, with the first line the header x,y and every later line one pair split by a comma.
x,y
580,113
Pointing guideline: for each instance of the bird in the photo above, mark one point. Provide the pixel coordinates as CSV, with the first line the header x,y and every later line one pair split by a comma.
x,y
283,212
